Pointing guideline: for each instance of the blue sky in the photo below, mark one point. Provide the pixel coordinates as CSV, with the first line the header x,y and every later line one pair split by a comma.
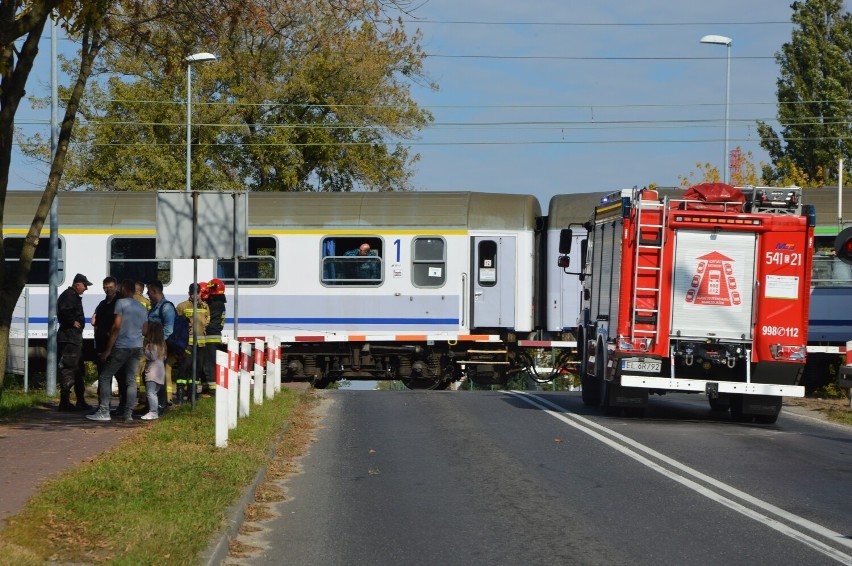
x,y
544,113
564,122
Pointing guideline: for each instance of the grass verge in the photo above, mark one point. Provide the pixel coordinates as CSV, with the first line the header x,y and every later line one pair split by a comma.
x,y
13,401
840,415
155,498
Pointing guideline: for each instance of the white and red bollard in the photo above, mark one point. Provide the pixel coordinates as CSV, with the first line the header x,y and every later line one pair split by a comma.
x,y
222,399
245,378
258,372
234,378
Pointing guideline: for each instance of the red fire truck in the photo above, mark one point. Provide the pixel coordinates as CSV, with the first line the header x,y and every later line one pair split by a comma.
x,y
705,294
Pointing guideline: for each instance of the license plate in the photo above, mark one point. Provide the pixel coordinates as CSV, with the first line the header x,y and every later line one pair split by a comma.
x,y
647,366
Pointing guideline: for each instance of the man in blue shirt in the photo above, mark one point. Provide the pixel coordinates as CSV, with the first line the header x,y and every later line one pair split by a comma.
x,y
122,353
163,311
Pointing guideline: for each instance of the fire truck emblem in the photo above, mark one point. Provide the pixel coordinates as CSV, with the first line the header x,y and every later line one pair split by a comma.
x,y
714,282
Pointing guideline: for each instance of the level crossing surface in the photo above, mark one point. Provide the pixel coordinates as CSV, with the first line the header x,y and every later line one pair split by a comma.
x,y
428,477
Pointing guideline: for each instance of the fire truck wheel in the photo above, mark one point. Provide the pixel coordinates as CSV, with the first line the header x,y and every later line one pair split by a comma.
x,y
765,419
581,351
721,403
606,394
592,383
591,390
737,410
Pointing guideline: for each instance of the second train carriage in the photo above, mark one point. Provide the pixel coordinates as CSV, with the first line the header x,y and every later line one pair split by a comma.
x,y
448,284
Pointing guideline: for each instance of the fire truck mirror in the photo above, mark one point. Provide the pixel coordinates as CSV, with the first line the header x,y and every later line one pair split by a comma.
x,y
564,261
565,238
843,245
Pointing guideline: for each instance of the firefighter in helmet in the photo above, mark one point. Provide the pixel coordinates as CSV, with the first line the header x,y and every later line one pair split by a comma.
x,y
197,293
213,339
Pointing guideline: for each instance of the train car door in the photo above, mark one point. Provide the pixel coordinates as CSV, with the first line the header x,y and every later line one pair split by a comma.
x,y
493,282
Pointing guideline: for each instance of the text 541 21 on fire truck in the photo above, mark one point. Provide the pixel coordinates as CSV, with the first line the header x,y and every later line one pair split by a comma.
x,y
708,293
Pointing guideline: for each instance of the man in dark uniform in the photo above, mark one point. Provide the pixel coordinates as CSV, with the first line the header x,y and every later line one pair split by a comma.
x,y
69,310
102,319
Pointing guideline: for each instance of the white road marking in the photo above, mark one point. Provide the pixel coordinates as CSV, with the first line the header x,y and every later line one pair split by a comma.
x,y
585,425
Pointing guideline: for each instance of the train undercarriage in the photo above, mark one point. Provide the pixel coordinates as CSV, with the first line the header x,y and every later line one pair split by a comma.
x,y
417,366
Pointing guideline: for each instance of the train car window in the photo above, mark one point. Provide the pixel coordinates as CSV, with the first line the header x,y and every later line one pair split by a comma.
x,y
428,262
828,270
258,269
40,267
136,258
487,269
352,260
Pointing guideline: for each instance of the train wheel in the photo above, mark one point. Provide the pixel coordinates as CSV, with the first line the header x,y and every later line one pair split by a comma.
x,y
422,383
319,381
591,382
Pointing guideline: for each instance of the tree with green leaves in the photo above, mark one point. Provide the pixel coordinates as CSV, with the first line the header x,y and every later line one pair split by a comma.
x,y
21,26
305,95
814,96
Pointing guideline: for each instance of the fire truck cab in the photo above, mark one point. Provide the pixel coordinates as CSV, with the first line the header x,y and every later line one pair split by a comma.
x,y
707,293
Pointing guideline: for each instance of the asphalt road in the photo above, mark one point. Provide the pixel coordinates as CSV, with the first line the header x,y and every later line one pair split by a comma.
x,y
423,477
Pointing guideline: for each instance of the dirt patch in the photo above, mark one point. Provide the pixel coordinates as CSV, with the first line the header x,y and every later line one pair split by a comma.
x,y
819,404
831,409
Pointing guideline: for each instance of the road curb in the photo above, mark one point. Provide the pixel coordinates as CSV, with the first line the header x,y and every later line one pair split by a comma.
x,y
235,516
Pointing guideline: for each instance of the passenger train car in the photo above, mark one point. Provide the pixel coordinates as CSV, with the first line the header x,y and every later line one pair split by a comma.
x,y
448,285
456,283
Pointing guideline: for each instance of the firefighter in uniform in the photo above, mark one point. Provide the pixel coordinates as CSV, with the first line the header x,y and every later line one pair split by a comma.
x,y
186,309
213,335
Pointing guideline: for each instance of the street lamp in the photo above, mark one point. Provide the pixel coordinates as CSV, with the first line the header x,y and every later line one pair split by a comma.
x,y
726,41
196,58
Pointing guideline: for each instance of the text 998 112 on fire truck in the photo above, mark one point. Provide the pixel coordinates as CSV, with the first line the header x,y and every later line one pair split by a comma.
x,y
708,293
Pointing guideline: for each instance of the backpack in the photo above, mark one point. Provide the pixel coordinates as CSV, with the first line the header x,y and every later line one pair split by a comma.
x,y
178,340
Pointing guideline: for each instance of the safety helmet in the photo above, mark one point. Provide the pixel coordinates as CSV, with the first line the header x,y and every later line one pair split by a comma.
x,y
204,290
216,287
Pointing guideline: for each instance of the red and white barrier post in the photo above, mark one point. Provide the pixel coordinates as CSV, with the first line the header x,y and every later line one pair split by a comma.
x,y
277,364
258,372
234,380
245,378
222,388
270,371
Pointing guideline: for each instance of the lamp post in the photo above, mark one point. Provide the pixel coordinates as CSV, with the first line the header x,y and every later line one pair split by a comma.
x,y
196,58
726,41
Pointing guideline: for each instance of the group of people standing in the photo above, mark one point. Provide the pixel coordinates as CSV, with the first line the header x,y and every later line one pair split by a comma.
x,y
132,344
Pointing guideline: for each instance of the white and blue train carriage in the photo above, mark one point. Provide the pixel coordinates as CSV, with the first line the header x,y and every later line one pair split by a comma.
x,y
447,287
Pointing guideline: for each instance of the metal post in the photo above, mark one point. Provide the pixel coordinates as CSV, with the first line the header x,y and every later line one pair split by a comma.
x,y
194,295
53,261
189,61
188,123
840,198
726,162
727,42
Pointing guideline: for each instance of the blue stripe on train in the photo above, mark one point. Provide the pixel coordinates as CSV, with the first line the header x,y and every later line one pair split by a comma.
x,y
354,321
319,320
